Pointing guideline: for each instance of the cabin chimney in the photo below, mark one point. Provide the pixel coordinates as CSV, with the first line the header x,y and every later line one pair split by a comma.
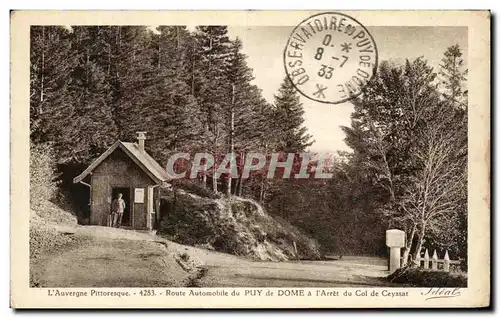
x,y
141,136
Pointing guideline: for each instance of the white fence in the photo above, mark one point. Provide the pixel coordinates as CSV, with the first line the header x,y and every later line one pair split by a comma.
x,y
432,262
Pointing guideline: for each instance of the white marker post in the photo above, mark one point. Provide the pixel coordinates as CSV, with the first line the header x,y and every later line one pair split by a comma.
x,y
435,261
446,266
395,240
426,259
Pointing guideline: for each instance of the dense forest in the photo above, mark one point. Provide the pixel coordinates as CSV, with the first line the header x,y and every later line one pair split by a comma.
x,y
192,91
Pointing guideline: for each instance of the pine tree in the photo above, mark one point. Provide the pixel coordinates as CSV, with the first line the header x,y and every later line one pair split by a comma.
x,y
453,77
452,234
51,64
92,129
291,135
175,114
245,110
134,80
253,127
209,86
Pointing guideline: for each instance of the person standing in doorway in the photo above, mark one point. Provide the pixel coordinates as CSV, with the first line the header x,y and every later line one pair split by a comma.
x,y
117,209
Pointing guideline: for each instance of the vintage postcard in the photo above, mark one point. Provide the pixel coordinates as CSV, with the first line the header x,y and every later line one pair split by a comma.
x,y
250,159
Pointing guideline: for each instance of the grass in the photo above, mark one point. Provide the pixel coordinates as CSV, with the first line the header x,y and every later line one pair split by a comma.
x,y
428,278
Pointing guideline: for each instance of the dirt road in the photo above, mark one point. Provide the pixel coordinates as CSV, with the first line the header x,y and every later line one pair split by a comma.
x,y
231,271
108,257
121,258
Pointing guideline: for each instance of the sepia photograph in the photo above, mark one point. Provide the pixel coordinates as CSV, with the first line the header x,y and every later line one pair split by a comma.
x,y
326,152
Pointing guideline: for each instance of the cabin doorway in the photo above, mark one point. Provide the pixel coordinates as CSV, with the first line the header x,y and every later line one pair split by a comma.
x,y
126,219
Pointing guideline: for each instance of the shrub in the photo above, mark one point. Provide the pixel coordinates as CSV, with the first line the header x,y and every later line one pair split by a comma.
x,y
236,226
43,186
428,278
197,189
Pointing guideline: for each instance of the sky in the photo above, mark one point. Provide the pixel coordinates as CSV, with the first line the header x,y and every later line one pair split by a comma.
x,y
264,47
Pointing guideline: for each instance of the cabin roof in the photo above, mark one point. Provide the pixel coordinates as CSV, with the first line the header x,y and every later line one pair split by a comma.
x,y
140,157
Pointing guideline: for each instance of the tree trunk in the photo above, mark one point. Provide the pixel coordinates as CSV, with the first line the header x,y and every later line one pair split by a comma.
x,y
408,244
119,44
109,59
119,38
420,241
174,192
87,70
236,185
231,142
40,110
159,52
193,70
262,183
239,184
204,179
177,36
262,190
454,88
214,174
205,170
214,182
283,211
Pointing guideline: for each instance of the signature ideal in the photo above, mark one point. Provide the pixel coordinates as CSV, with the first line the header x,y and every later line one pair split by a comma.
x,y
434,293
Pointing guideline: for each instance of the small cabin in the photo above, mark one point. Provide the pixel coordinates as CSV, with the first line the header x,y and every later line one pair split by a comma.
x,y
128,169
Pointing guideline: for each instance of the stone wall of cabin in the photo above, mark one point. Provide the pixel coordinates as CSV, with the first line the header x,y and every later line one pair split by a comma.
x,y
118,170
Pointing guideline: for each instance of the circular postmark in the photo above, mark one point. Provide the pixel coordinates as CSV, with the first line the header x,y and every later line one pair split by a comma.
x,y
330,57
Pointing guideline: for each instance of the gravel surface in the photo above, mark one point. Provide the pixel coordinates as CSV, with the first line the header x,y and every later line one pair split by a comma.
x,y
87,256
94,256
